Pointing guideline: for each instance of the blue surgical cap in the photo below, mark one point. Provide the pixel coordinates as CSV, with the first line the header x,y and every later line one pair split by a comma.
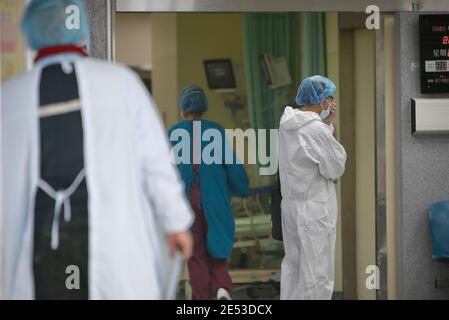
x,y
193,99
314,90
47,23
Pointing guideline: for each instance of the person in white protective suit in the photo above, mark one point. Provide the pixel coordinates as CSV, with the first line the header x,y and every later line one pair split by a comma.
x,y
92,205
310,160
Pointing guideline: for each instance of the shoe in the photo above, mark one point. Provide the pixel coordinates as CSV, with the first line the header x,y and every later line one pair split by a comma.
x,y
223,294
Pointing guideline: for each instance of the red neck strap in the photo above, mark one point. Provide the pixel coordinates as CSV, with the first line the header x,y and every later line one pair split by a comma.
x,y
59,49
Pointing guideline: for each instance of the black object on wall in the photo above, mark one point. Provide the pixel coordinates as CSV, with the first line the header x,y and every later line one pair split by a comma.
x,y
220,74
434,50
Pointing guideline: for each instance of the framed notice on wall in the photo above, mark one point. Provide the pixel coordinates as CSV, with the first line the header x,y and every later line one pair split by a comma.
x,y
434,46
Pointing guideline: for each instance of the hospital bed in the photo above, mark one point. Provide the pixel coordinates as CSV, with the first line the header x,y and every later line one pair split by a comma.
x,y
252,218
252,232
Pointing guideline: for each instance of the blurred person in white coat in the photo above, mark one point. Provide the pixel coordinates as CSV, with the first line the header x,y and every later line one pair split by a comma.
x,y
91,203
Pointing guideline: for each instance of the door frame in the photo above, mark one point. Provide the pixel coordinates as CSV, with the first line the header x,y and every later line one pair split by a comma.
x,y
114,6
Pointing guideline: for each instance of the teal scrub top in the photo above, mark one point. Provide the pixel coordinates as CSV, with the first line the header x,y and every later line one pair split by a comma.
x,y
218,182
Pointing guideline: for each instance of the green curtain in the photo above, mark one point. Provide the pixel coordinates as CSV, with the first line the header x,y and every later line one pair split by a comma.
x,y
275,34
313,50
272,33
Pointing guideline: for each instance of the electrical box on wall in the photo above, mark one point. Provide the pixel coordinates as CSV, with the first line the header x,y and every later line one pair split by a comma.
x,y
430,116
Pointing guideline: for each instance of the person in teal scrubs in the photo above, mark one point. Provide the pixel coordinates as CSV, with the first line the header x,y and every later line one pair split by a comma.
x,y
209,188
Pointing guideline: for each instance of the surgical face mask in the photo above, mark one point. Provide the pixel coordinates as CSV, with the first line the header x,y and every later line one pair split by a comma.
x,y
325,113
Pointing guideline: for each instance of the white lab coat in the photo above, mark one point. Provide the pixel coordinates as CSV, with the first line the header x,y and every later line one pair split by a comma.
x,y
135,194
309,160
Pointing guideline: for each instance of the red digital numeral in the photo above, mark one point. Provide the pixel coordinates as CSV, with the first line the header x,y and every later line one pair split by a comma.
x,y
446,40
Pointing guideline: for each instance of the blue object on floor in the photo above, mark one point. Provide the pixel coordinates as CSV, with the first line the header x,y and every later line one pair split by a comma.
x,y
439,228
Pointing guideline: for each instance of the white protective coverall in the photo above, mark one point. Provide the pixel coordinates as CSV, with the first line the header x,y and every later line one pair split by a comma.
x,y
309,160
135,194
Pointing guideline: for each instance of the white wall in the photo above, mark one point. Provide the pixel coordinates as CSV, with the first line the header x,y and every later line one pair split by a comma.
x,y
164,46
133,38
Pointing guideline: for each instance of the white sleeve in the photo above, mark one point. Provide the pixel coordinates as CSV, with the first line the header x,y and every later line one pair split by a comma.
x,y
326,151
164,187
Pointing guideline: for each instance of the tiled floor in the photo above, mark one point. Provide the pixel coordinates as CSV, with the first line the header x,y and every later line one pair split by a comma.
x,y
261,291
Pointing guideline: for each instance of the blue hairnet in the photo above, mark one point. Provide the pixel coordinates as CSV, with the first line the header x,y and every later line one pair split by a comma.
x,y
44,23
314,90
193,99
